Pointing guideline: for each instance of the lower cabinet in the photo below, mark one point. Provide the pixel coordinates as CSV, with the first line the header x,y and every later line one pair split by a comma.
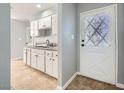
x,y
27,56
43,60
52,63
33,60
55,67
40,63
49,66
37,61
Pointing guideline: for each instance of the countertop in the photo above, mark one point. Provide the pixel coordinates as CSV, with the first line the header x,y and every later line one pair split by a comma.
x,y
41,48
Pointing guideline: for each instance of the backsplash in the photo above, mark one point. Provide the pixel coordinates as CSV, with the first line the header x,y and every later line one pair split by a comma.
x,y
52,39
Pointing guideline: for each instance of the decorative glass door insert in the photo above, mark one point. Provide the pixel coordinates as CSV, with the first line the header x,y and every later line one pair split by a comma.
x,y
97,30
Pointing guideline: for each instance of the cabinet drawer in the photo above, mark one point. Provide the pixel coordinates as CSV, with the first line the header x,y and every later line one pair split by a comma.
x,y
40,52
49,53
55,54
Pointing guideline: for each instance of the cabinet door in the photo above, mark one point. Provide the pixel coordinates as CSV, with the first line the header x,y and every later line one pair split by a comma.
x,y
55,67
40,62
54,24
33,60
49,65
41,23
28,57
45,22
24,56
34,28
36,32
49,54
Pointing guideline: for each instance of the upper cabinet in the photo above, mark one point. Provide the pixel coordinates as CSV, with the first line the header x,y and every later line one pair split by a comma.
x,y
34,28
54,24
49,23
45,23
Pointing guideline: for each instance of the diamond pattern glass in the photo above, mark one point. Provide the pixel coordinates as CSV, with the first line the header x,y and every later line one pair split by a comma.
x,y
97,30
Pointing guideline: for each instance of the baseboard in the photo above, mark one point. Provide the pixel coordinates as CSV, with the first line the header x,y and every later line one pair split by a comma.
x,y
59,88
120,85
18,58
69,81
78,73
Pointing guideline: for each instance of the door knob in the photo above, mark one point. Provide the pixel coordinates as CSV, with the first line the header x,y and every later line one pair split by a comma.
x,y
82,40
82,45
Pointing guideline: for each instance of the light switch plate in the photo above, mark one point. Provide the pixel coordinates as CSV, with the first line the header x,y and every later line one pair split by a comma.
x,y
72,36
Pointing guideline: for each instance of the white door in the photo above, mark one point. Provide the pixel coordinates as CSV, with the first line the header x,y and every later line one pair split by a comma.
x,y
97,44
40,62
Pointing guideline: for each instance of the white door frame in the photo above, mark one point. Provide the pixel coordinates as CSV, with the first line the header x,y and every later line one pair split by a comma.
x,y
116,37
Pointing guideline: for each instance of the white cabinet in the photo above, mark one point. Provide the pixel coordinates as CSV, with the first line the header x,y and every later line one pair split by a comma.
x,y
42,60
54,24
52,63
33,60
37,59
55,64
40,63
49,66
34,28
45,23
27,56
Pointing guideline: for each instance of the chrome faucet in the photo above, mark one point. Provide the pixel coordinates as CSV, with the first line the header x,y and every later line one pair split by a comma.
x,y
47,42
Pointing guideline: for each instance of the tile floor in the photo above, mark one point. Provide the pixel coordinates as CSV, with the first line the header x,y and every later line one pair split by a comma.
x,y
84,83
25,78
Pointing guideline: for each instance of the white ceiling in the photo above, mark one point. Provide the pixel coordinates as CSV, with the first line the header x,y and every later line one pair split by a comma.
x,y
24,11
